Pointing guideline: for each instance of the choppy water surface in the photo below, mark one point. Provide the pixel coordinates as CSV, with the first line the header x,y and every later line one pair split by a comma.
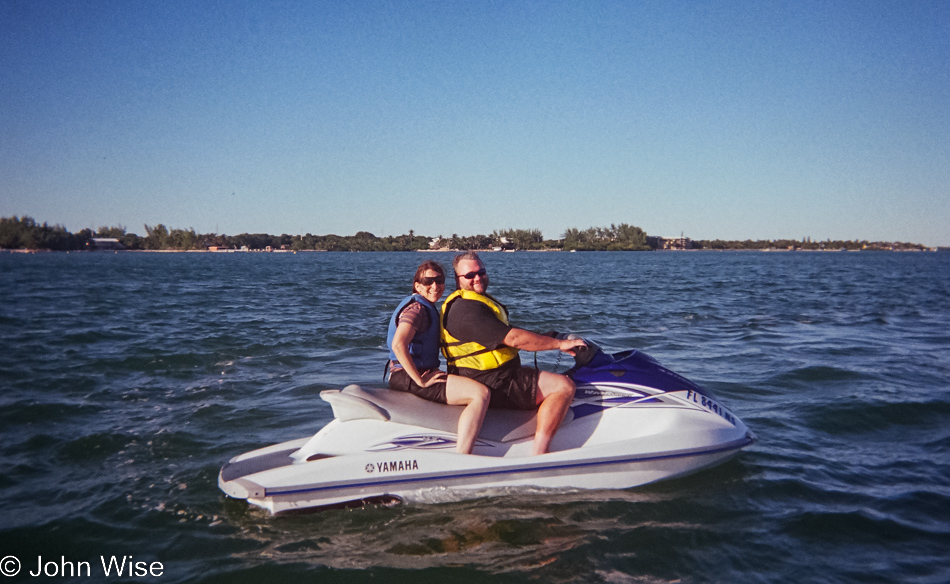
x,y
129,379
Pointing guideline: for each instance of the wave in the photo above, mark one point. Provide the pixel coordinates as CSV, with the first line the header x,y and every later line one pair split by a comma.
x,y
860,417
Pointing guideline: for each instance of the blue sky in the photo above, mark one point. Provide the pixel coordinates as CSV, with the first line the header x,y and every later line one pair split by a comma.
x,y
732,120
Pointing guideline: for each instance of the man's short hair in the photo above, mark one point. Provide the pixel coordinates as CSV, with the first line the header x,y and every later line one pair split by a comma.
x,y
468,255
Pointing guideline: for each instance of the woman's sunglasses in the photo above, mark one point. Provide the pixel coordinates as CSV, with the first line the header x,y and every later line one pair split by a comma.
x,y
429,281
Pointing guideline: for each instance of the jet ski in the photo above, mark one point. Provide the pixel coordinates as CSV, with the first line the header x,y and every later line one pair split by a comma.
x,y
632,422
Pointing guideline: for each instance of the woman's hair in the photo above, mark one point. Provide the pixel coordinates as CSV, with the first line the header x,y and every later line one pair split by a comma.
x,y
424,267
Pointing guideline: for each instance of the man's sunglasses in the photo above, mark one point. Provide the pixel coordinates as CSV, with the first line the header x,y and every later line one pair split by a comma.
x,y
471,275
426,281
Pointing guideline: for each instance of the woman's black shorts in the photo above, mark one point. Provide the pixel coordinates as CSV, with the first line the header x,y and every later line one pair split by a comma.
x,y
400,381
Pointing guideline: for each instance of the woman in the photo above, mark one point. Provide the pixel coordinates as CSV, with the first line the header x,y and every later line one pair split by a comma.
x,y
413,341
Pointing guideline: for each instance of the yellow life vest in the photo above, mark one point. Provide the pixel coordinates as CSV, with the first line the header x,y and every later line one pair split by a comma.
x,y
470,354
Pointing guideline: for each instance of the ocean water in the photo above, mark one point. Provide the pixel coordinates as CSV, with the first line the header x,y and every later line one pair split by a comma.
x,y
128,379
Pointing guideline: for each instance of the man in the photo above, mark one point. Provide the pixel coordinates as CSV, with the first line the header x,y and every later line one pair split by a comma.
x,y
478,342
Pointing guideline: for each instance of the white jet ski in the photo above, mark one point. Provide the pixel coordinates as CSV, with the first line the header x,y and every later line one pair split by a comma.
x,y
632,422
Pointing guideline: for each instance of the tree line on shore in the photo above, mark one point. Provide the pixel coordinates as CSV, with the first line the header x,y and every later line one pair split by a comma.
x,y
806,244
26,233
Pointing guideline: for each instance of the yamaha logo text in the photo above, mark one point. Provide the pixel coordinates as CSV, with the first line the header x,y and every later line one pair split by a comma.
x,y
394,466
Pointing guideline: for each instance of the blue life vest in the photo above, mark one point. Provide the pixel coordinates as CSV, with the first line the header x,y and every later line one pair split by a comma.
x,y
424,347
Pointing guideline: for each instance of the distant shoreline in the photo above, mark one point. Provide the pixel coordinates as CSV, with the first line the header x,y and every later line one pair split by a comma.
x,y
446,250
24,233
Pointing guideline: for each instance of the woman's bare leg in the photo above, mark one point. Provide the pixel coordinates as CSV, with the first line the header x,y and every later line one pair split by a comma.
x,y
462,391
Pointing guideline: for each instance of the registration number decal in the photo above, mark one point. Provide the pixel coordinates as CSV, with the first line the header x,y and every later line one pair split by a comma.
x,y
711,405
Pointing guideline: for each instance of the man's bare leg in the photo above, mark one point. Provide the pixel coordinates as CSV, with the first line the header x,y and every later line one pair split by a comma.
x,y
555,394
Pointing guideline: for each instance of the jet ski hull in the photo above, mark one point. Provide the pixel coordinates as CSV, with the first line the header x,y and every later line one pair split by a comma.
x,y
396,478
632,422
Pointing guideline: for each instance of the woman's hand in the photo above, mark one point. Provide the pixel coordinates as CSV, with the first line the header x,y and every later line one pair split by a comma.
x,y
430,378
404,334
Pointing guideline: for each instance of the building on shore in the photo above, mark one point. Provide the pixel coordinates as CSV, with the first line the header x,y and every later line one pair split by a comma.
x,y
671,243
104,244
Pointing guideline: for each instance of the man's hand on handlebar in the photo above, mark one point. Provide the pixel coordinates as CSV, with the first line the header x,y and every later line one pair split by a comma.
x,y
572,346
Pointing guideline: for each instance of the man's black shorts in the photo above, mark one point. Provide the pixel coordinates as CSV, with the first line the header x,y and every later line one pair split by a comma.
x,y
513,387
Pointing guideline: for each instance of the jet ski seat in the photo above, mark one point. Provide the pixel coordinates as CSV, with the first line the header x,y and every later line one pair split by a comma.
x,y
355,403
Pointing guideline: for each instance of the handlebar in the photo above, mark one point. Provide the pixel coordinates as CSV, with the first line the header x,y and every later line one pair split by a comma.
x,y
583,355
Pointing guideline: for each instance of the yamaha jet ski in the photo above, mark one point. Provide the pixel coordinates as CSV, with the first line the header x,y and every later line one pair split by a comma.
x,y
632,422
